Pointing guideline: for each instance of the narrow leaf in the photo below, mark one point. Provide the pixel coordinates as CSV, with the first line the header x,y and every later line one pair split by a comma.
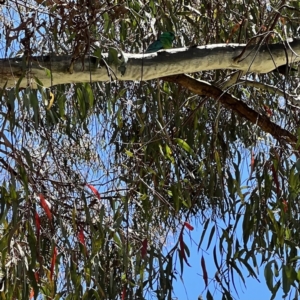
x,y
210,236
51,100
53,262
205,277
182,246
203,233
285,206
188,226
37,276
37,225
94,190
144,248
286,285
269,275
81,236
234,266
275,177
215,258
124,293
275,290
209,295
185,146
31,295
252,164
45,206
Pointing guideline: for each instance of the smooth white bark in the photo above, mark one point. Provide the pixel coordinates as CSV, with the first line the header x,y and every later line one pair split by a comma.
x,y
138,67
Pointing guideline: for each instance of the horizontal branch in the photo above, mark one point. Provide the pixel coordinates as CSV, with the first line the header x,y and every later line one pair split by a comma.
x,y
136,67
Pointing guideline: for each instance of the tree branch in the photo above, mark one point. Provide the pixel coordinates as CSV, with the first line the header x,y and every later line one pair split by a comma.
x,y
126,66
240,108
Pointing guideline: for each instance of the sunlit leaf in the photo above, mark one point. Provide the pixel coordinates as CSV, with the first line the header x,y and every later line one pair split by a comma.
x,y
181,143
51,101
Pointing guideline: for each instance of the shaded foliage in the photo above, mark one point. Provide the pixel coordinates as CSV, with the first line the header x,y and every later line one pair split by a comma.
x,y
98,180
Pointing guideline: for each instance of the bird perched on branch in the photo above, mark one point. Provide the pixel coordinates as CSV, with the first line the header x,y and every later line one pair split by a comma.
x,y
165,41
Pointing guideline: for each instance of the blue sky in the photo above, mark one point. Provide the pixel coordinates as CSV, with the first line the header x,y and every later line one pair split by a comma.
x,y
193,285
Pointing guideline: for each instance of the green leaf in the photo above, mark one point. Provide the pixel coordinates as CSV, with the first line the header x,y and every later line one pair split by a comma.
x,y
129,153
203,232
233,265
218,161
61,105
113,56
212,232
286,284
28,157
47,72
182,144
275,290
209,295
269,275
175,197
249,268
169,154
297,165
298,275
247,223
35,106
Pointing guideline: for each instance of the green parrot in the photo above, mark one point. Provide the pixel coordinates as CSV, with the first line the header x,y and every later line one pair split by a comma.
x,y
165,41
